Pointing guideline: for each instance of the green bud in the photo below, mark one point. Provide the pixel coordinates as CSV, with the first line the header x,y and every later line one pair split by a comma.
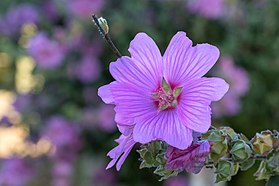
x,y
214,136
240,151
243,137
224,171
218,150
273,163
263,142
247,164
228,131
104,25
261,173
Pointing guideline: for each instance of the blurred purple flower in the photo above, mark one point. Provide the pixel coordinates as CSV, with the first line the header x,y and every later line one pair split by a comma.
x,y
15,172
177,181
85,8
207,8
47,53
88,69
155,98
191,159
62,169
120,152
50,10
239,85
62,133
17,16
106,118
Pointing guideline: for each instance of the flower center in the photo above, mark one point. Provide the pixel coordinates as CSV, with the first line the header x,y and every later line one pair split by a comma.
x,y
166,97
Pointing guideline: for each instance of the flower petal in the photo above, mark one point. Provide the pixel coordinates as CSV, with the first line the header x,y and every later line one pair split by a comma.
x,y
195,99
121,151
105,93
147,56
145,66
183,62
131,102
164,126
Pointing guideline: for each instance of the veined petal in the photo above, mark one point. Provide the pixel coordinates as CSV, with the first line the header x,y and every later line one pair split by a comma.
x,y
131,102
195,99
105,93
183,62
164,126
147,57
121,151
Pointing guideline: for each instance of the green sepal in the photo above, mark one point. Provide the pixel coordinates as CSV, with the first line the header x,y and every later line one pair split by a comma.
x,y
166,86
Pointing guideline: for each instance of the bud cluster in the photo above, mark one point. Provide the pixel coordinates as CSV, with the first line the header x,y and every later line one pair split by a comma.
x,y
226,151
231,151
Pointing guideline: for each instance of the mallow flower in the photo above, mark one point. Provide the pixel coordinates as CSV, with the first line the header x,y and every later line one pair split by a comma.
x,y
163,97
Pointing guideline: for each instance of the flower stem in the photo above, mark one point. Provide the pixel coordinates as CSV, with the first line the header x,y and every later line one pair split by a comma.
x,y
106,36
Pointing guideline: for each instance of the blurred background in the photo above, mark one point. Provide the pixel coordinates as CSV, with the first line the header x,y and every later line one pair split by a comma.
x,y
55,130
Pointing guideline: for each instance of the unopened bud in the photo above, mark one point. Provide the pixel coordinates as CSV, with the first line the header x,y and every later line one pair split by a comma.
x,y
225,169
263,143
240,151
261,173
104,25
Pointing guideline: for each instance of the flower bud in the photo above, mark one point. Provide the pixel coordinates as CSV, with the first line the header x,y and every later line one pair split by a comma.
x,y
104,25
263,142
262,173
273,163
218,149
240,151
225,169
228,131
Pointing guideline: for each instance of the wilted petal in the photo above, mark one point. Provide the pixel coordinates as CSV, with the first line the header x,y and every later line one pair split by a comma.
x,y
191,159
195,99
164,126
120,153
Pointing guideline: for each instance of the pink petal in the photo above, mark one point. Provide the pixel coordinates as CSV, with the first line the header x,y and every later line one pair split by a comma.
x,y
147,56
164,126
105,93
195,99
131,102
183,62
144,69
121,151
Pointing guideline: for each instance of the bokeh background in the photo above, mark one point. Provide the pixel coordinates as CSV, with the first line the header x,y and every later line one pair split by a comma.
x,y
55,130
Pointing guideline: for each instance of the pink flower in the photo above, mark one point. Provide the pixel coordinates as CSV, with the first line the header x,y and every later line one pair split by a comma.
x,y
191,159
207,8
164,98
